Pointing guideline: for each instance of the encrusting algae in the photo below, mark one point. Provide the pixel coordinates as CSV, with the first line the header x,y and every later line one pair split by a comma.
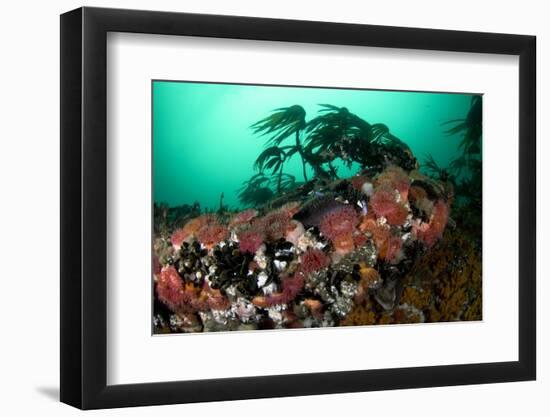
x,y
440,287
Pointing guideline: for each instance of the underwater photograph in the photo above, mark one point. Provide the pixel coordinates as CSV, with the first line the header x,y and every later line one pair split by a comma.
x,y
284,207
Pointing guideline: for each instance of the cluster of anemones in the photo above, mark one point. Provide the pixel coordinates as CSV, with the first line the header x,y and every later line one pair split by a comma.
x,y
206,229
386,202
186,297
390,195
431,232
273,226
390,198
251,240
339,226
394,178
242,218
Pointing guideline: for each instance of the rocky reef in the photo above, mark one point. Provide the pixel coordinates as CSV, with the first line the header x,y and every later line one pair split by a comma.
x,y
387,245
376,248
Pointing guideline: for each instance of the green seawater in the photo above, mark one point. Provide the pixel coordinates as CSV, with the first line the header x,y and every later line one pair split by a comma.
x,y
203,144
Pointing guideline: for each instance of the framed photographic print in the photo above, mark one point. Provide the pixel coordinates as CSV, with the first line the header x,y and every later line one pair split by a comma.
x,y
258,207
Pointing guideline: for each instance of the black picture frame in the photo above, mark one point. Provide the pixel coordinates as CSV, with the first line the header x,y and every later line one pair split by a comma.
x,y
84,207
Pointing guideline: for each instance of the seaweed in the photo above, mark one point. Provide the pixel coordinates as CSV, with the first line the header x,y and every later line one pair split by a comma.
x,y
281,124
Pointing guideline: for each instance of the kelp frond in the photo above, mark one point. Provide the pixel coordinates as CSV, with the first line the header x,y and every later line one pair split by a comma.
x,y
271,158
433,168
281,123
255,191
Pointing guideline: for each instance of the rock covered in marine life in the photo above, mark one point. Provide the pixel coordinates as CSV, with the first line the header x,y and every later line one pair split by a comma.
x,y
305,264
